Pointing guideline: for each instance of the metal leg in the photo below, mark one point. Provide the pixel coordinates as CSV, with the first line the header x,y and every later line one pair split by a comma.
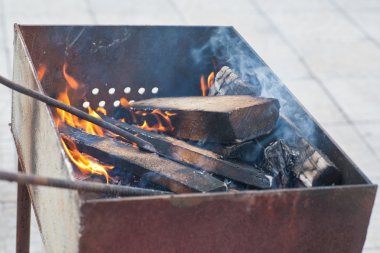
x,y
23,218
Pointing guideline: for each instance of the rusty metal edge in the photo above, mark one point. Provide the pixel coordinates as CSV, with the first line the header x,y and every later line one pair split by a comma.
x,y
359,211
18,36
68,164
371,187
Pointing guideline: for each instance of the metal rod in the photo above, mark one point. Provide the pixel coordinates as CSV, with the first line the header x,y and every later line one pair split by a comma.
x,y
83,115
23,218
22,178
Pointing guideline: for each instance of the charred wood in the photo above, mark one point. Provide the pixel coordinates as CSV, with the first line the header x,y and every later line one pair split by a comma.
x,y
209,161
228,82
221,119
303,161
287,156
176,177
229,151
280,161
313,168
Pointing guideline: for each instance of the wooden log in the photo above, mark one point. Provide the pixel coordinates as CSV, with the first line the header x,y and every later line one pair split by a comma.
x,y
229,151
314,168
222,119
176,177
209,161
228,82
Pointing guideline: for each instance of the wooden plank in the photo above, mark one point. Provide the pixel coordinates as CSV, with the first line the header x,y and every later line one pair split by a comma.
x,y
209,161
223,119
176,177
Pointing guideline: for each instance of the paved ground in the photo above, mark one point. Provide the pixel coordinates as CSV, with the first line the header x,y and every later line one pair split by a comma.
x,y
326,51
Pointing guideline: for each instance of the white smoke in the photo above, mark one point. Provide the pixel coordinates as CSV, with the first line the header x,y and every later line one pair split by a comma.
x,y
228,47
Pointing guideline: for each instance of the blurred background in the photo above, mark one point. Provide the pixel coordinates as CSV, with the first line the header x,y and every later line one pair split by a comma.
x,y
326,51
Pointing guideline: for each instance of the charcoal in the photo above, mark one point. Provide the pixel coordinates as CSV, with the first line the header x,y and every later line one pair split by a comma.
x,y
228,82
279,162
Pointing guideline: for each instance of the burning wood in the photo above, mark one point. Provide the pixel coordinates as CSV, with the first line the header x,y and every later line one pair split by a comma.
x,y
183,152
223,119
240,118
176,177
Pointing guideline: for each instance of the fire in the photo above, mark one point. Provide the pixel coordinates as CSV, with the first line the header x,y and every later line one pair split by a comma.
x,y
155,120
210,81
124,102
69,79
41,72
151,121
162,122
85,163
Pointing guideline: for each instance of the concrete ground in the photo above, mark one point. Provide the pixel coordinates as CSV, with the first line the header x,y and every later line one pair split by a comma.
x,y
326,51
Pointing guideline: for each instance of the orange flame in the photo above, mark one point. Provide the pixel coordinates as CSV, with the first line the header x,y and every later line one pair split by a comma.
x,y
124,102
85,163
203,86
210,81
162,121
41,72
69,79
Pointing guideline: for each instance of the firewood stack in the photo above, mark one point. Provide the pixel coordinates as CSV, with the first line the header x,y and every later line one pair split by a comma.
x,y
202,151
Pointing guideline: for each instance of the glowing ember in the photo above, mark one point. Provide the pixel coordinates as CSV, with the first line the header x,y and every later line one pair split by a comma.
x,y
210,81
